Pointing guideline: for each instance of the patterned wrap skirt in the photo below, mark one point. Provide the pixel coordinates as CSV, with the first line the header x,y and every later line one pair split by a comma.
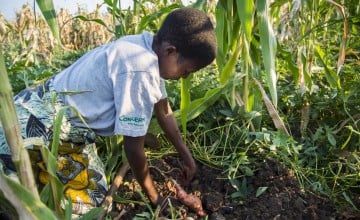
x,y
79,167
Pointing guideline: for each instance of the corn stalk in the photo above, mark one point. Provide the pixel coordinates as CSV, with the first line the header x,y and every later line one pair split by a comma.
x,y
234,30
24,197
12,132
240,55
311,23
48,10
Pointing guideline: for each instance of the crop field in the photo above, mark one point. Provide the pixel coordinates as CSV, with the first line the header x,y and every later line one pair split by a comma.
x,y
272,123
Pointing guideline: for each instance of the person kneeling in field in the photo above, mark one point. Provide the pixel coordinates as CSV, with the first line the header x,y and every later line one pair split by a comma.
x,y
115,88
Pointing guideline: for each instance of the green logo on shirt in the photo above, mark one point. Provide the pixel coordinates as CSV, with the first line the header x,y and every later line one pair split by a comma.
x,y
135,121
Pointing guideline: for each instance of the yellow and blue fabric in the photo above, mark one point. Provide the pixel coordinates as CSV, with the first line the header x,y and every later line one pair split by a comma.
x,y
79,167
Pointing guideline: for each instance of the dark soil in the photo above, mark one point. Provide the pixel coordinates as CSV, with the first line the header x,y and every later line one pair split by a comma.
x,y
282,199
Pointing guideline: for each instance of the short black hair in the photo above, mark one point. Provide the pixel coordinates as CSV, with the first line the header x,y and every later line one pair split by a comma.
x,y
192,33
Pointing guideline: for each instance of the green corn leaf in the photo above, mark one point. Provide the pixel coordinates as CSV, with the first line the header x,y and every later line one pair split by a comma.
x,y
48,10
92,214
229,19
57,130
200,4
289,63
220,23
50,159
55,187
46,196
200,105
26,204
146,20
268,47
185,102
11,128
96,20
220,14
58,122
235,31
245,11
331,76
228,70
229,44
68,209
113,153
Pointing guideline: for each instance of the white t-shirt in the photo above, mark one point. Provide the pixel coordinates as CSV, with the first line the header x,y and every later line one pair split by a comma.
x,y
115,86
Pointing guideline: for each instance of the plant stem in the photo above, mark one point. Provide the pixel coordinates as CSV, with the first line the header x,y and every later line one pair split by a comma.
x,y
118,180
11,127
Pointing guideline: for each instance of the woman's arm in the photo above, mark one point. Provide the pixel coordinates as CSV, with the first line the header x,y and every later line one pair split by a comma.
x,y
134,150
168,124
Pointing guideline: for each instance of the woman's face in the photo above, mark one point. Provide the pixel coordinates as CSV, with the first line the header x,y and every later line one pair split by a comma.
x,y
172,65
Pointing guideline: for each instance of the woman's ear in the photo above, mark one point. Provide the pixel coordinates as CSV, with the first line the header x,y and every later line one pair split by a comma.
x,y
170,49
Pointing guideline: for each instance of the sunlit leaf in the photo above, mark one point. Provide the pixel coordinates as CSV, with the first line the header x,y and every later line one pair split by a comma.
x,y
48,10
28,206
245,13
185,101
261,190
268,47
331,76
200,105
278,122
228,71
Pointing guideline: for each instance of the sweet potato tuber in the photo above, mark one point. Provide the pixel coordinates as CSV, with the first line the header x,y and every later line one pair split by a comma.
x,y
191,201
